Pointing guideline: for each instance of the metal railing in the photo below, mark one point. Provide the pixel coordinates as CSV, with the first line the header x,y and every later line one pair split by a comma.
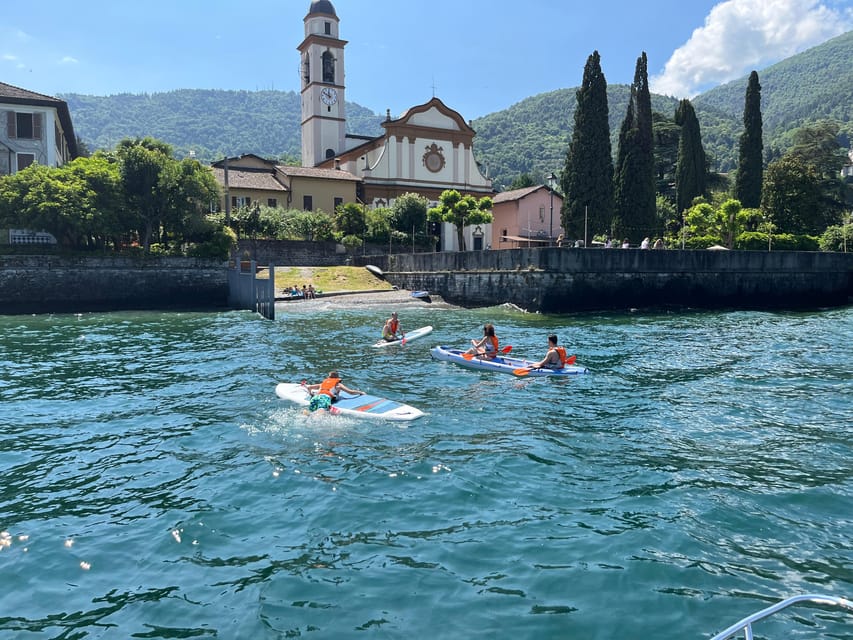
x,y
745,626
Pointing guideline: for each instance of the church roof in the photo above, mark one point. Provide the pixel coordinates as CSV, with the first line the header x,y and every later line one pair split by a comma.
x,y
322,6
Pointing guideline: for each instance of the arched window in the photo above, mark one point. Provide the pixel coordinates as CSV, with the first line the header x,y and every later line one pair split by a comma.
x,y
330,153
306,69
328,67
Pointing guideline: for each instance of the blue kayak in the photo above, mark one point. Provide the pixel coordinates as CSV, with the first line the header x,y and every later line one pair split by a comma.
x,y
501,364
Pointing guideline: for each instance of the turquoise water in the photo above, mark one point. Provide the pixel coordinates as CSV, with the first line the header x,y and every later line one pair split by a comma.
x,y
153,486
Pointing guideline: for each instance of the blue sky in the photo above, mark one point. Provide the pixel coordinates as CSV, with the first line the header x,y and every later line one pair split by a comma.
x,y
477,56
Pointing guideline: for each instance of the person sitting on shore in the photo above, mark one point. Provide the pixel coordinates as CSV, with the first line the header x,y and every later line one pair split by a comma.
x,y
556,358
392,328
487,347
323,394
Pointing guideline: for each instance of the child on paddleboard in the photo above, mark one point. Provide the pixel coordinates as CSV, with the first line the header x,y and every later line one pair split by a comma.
x,y
323,394
392,328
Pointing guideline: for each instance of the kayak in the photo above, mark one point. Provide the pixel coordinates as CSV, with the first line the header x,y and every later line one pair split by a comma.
x,y
501,364
411,335
375,271
422,295
366,406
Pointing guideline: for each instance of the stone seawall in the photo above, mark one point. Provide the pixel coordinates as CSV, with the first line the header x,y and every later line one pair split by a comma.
x,y
51,284
554,280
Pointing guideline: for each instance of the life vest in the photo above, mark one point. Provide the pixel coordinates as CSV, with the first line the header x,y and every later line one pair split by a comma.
x,y
491,346
328,387
394,325
390,329
561,352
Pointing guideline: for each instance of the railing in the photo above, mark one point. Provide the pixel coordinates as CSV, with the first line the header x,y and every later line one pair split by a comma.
x,y
247,291
745,626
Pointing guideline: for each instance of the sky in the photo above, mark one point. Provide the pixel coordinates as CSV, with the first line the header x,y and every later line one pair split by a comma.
x,y
477,56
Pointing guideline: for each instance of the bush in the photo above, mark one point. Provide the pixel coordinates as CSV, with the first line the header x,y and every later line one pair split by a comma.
x,y
220,245
757,241
833,238
351,242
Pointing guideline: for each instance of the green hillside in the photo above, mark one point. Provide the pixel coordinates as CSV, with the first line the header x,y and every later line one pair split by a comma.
x,y
531,136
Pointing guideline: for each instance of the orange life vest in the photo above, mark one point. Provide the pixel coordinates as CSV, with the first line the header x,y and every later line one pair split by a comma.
x,y
494,350
395,324
561,352
328,386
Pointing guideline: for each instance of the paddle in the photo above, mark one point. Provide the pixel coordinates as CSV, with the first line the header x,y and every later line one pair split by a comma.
x,y
525,371
471,356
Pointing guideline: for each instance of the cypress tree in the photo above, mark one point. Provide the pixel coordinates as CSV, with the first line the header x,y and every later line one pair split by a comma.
x,y
635,210
750,168
691,172
588,176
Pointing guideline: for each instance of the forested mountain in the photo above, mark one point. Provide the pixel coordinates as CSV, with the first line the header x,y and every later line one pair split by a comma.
x,y
531,136
212,123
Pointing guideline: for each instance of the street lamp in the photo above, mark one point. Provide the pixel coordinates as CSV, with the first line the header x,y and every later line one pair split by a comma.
x,y
552,182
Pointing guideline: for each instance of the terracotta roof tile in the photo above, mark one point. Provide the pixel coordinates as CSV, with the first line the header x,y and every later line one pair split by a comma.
x,y
515,194
311,172
243,179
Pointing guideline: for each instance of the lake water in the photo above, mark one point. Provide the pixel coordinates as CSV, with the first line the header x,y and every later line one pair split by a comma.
x,y
153,486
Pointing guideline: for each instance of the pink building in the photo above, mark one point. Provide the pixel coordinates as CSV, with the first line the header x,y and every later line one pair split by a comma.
x,y
526,217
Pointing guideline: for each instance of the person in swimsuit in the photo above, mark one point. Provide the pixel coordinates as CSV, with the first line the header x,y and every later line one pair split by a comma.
x,y
323,394
487,347
556,357
392,328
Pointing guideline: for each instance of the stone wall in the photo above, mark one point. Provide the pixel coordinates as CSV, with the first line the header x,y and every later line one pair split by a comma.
x,y
303,253
51,284
554,280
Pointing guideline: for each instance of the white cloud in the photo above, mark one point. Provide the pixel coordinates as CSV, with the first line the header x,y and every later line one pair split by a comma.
x,y
68,60
741,35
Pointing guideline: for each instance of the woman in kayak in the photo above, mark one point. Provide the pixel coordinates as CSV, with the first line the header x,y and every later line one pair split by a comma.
x,y
556,357
323,394
391,328
487,347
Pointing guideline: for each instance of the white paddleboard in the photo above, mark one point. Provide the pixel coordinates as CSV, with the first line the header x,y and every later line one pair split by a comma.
x,y
411,335
366,406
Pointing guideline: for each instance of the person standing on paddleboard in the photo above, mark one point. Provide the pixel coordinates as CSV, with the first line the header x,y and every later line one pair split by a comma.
x,y
323,394
392,328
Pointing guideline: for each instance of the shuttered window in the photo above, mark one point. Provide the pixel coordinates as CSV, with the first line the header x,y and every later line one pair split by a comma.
x,y
27,126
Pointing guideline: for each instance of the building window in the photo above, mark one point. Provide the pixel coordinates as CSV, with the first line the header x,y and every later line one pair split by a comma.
x,y
328,67
272,202
328,28
541,214
338,203
25,160
240,201
503,234
24,125
307,203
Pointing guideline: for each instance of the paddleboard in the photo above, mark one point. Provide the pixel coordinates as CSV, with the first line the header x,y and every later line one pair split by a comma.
x,y
411,335
368,406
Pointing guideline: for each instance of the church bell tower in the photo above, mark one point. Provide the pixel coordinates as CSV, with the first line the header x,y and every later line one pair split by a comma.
x,y
322,81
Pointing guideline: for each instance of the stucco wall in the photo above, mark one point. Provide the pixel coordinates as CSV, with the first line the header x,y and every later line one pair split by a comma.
x,y
555,280
42,284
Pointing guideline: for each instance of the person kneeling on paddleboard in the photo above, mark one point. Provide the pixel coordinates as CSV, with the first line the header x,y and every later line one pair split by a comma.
x,y
391,328
556,358
323,394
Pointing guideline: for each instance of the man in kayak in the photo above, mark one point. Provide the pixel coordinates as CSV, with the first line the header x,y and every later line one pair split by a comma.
x,y
487,347
556,358
391,328
323,394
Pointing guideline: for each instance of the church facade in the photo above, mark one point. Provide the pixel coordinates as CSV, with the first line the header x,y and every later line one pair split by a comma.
x,y
426,150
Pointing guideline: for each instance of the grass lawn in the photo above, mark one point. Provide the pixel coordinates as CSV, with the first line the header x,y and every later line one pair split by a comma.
x,y
327,278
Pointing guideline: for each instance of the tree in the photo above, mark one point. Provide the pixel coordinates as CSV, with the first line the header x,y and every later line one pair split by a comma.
x,y
521,182
635,167
792,197
691,169
666,138
142,164
461,211
410,212
750,169
350,219
587,179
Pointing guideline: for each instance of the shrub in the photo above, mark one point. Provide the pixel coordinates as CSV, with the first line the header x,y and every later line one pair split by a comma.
x,y
833,239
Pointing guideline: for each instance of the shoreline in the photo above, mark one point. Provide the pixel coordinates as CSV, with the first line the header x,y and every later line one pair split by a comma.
x,y
379,297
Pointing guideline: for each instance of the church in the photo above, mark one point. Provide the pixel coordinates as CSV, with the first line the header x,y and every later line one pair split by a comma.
x,y
426,150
